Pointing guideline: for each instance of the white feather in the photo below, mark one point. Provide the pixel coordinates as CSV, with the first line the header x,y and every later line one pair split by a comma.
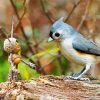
x,y
73,55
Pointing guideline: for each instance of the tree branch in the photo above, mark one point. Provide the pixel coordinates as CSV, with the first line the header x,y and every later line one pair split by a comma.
x,y
21,27
84,15
46,13
74,7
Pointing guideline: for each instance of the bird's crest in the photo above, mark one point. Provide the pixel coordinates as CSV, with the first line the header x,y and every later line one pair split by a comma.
x,y
61,19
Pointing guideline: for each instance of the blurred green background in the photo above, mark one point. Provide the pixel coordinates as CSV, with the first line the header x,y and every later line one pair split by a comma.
x,y
32,21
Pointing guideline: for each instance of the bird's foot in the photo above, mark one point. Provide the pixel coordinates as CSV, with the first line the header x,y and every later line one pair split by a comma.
x,y
74,75
76,78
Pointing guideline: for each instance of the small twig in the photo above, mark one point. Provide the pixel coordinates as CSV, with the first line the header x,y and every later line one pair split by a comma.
x,y
24,2
12,26
47,15
31,65
74,7
38,68
10,60
21,27
13,71
24,12
84,16
20,20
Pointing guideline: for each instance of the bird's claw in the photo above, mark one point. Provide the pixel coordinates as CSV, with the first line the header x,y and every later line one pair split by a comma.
x,y
76,78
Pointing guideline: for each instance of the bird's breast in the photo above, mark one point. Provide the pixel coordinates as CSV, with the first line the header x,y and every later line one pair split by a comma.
x,y
73,55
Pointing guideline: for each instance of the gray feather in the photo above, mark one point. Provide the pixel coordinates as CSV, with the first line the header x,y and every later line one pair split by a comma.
x,y
82,44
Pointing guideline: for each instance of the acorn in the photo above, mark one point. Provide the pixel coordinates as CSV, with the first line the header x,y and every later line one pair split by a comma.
x,y
17,48
16,59
9,44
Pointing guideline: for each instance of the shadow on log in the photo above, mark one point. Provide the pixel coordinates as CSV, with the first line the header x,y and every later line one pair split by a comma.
x,y
49,88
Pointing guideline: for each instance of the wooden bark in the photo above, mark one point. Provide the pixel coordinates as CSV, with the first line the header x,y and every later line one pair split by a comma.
x,y
49,88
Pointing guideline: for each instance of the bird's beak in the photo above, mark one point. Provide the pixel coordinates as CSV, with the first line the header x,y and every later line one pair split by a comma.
x,y
50,39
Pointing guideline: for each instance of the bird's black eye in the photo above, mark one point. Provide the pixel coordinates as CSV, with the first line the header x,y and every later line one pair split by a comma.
x,y
57,34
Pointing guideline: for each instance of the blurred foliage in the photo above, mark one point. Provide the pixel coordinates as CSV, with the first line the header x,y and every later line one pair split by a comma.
x,y
32,36
4,69
19,5
49,51
26,72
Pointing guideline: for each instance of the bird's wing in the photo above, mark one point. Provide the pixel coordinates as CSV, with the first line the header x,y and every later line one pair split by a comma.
x,y
84,45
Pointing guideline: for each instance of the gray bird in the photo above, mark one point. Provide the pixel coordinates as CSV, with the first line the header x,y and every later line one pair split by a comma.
x,y
74,46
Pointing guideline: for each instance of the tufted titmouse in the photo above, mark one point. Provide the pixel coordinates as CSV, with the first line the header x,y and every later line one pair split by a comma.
x,y
74,46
